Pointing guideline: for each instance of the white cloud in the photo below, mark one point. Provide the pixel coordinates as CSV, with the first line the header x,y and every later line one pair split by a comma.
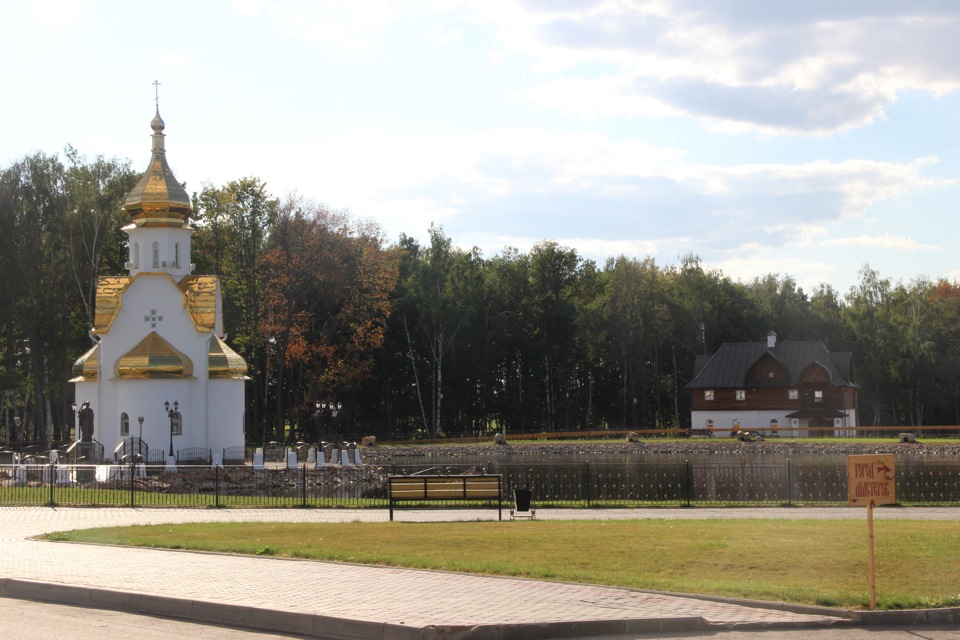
x,y
807,272
59,14
448,38
460,172
247,7
807,70
175,62
341,24
886,241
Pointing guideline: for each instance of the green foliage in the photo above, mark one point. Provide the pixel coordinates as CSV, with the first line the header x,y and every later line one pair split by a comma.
x,y
60,228
438,339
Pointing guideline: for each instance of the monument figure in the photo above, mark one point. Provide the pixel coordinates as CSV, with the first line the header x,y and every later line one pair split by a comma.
x,y
86,423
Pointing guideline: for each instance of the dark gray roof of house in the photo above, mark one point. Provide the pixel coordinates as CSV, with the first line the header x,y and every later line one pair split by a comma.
x,y
728,367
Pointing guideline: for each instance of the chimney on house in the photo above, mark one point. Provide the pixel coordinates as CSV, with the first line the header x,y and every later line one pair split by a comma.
x,y
771,340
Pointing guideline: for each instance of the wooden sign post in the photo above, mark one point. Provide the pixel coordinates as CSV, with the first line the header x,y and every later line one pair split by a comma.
x,y
871,481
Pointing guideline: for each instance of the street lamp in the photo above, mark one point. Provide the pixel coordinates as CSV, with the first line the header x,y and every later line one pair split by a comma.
x,y
171,415
334,408
76,431
140,420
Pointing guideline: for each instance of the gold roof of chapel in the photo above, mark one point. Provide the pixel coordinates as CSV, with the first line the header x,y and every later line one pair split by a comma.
x,y
109,300
86,367
158,200
199,299
154,358
224,362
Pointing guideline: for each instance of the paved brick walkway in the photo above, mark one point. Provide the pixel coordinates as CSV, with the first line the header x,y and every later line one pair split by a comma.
x,y
349,601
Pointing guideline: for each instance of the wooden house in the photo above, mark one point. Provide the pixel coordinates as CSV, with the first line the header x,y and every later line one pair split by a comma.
x,y
777,388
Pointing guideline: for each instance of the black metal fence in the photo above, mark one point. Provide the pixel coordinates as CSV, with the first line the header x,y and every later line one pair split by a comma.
x,y
569,486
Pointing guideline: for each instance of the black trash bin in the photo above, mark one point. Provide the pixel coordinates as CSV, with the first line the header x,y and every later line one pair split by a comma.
x,y
521,504
521,499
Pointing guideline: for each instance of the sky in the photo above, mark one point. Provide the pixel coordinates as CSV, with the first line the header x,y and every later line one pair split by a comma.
x,y
804,139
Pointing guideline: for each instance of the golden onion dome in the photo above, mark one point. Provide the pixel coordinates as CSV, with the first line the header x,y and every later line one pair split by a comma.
x,y
224,362
86,367
153,358
158,199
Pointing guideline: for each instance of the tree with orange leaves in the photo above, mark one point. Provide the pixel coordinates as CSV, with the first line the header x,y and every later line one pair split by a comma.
x,y
327,281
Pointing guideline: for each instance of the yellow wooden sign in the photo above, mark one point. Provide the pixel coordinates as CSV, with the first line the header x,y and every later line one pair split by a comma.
x,y
870,480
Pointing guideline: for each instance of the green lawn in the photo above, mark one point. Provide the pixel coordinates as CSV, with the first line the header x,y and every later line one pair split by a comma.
x,y
803,561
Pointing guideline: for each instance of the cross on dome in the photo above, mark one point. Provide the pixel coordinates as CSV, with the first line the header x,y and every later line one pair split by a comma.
x,y
158,199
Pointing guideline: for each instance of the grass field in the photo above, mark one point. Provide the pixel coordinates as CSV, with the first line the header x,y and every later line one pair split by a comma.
x,y
813,562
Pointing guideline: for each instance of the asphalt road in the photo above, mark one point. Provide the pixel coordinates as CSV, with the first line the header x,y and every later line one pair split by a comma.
x,y
27,620
871,633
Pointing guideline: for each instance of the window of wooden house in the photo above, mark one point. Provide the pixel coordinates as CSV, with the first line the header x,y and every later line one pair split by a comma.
x,y
708,395
818,396
741,394
793,394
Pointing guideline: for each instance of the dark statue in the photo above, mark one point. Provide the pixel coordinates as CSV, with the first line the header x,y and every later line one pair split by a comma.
x,y
86,423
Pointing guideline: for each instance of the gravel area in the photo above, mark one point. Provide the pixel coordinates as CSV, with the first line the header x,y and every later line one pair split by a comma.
x,y
679,447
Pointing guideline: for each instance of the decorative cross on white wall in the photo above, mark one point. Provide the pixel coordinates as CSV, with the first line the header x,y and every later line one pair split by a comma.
x,y
153,318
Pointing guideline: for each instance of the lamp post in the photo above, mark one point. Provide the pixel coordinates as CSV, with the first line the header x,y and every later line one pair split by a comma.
x,y
140,420
170,414
334,408
318,421
76,431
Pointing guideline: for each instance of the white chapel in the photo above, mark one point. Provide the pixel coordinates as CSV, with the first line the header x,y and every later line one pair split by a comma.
x,y
160,352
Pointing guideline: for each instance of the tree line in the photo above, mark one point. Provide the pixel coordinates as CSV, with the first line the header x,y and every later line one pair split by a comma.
x,y
428,338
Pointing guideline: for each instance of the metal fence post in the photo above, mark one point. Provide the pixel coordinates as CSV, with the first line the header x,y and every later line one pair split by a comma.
x,y
789,484
689,491
587,483
216,486
52,483
132,471
303,484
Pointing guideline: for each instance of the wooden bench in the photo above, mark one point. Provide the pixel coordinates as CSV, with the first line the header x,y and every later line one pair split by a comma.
x,y
446,488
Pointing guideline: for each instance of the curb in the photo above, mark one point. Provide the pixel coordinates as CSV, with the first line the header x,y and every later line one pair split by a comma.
x,y
845,617
840,615
908,617
315,625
